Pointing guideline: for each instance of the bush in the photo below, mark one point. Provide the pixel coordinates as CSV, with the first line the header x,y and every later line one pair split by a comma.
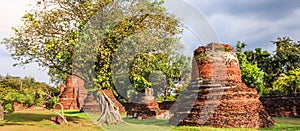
x,y
169,98
51,102
25,91
252,76
8,107
288,83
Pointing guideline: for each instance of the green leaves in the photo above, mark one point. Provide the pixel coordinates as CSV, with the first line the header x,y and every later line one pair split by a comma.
x,y
82,38
287,55
288,83
280,69
28,17
159,71
252,76
25,91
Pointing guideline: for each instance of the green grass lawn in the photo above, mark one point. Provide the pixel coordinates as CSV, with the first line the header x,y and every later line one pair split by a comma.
x,y
40,120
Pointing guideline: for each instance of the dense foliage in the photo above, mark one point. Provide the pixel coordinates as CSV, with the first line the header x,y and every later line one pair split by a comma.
x,y
24,91
287,83
279,68
252,76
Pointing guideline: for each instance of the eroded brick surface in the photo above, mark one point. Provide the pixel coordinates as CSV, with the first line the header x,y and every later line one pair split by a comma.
x,y
217,97
72,93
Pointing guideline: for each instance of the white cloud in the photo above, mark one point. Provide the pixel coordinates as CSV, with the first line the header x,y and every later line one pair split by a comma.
x,y
10,15
32,70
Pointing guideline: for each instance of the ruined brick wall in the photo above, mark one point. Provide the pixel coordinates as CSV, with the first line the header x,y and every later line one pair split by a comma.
x,y
166,105
145,111
162,105
282,106
140,111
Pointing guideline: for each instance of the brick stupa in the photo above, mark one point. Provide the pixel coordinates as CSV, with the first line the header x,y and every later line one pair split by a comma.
x,y
148,108
72,93
74,96
217,97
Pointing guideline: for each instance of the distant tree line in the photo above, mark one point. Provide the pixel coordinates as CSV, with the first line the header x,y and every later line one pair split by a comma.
x,y
272,73
25,91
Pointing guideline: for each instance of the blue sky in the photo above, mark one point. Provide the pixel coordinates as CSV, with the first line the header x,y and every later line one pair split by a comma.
x,y
255,22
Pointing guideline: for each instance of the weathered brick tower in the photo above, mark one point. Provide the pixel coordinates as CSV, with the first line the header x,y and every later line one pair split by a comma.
x,y
72,93
217,96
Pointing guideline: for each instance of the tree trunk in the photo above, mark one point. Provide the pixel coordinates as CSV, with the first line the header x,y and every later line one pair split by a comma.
x,y
109,111
62,115
166,93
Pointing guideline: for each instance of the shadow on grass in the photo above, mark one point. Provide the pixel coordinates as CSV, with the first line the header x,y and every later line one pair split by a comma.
x,y
282,128
72,112
148,122
75,114
25,118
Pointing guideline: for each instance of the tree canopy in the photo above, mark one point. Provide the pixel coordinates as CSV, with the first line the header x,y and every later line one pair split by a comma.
x,y
279,68
56,31
288,83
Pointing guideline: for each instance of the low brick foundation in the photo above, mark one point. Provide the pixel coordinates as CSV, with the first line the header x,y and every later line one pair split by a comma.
x,y
282,106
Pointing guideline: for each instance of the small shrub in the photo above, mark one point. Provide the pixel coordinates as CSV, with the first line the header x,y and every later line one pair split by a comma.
x,y
51,102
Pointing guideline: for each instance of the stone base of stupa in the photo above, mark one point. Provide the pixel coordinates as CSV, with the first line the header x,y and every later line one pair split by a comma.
x,y
148,108
217,106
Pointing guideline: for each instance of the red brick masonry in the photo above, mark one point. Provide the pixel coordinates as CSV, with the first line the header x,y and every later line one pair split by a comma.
x,y
217,97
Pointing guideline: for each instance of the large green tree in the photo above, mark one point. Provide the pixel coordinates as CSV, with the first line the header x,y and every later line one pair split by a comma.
x,y
160,71
263,60
82,37
276,67
259,56
286,57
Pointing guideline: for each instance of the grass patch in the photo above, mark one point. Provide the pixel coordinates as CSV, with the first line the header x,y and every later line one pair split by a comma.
x,y
286,124
40,120
75,113
78,121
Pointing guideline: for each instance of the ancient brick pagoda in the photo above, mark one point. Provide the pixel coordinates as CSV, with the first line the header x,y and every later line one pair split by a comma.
x,y
147,109
217,96
72,93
